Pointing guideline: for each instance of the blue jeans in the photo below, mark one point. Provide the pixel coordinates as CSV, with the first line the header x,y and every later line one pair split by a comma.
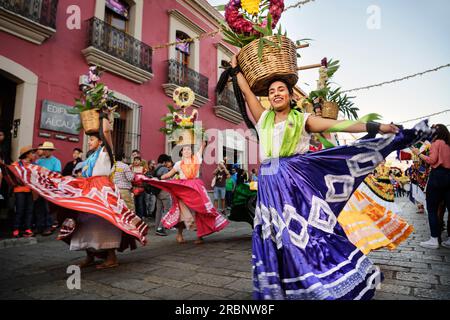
x,y
24,210
438,190
219,193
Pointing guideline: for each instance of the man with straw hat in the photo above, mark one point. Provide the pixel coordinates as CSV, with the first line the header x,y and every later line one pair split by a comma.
x,y
44,218
23,197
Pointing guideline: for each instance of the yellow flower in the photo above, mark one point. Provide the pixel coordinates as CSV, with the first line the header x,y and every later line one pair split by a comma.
x,y
251,6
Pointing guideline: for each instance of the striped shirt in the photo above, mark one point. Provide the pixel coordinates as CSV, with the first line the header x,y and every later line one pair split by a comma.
x,y
123,176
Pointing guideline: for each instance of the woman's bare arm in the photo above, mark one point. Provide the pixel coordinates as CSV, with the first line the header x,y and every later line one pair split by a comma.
x,y
169,174
317,124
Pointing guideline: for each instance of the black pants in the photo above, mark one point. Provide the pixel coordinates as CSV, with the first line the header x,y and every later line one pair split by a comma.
x,y
43,218
24,210
438,190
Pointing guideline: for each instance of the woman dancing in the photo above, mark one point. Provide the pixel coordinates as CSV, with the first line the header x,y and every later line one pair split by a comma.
x,y
299,249
191,207
93,215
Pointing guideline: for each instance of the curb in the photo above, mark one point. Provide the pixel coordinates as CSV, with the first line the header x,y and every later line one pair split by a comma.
x,y
19,242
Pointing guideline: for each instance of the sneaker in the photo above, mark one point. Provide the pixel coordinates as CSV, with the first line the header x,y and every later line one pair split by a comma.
x,y
28,233
16,234
47,233
161,232
433,243
446,244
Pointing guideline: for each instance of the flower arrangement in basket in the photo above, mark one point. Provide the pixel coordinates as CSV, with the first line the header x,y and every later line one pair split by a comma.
x,y
95,98
331,101
179,125
265,54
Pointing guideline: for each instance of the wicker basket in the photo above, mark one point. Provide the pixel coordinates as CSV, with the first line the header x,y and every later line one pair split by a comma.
x,y
330,110
275,64
308,107
184,137
90,120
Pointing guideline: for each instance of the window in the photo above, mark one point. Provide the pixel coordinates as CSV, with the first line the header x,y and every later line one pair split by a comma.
x,y
183,50
117,14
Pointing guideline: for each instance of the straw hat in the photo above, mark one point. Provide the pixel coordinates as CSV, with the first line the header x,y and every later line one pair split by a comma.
x,y
24,150
47,145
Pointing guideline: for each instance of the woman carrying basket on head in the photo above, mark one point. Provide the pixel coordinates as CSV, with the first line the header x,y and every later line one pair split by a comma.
x,y
191,207
96,219
299,249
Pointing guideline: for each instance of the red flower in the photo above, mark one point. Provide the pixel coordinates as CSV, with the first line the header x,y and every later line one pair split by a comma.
x,y
239,24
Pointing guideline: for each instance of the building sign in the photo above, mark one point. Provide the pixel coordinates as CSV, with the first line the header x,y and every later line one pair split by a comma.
x,y
54,117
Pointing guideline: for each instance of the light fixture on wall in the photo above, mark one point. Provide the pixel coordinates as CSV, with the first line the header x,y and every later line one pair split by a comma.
x,y
83,82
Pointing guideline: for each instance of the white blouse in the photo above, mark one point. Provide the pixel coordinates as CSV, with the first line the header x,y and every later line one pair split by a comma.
x,y
102,166
278,133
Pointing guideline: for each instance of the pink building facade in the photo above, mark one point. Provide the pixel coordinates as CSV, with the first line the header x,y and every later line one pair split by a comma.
x,y
47,46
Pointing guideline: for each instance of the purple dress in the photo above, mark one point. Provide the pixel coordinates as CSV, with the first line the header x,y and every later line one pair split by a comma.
x,y
299,249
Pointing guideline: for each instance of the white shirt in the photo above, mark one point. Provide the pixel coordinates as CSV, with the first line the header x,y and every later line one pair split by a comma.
x,y
277,139
102,166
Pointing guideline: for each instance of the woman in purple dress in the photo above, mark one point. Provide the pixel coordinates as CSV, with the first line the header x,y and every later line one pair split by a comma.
x,y
299,249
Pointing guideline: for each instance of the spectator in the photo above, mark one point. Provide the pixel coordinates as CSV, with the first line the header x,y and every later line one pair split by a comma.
x,y
24,198
220,175
137,167
123,176
229,188
68,168
39,153
150,198
438,186
136,153
163,199
254,176
44,218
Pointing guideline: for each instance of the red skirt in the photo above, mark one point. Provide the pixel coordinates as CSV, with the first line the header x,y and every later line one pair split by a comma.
x,y
95,195
194,195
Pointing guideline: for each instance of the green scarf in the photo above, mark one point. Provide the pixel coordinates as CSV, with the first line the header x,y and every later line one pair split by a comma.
x,y
292,133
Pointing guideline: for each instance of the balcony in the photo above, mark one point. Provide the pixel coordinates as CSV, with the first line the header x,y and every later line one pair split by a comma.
x,y
31,20
118,52
227,108
182,76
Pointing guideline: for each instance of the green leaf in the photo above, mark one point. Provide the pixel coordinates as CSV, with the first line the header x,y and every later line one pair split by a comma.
x,y
260,30
220,7
260,48
271,43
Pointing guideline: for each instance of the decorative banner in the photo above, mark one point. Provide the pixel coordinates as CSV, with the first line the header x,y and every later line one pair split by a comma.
x,y
118,7
54,117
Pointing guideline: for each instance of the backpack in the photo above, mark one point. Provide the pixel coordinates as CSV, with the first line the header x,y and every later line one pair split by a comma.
x,y
149,188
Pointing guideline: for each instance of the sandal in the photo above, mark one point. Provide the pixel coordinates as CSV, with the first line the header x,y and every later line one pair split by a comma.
x,y
86,263
105,265
180,239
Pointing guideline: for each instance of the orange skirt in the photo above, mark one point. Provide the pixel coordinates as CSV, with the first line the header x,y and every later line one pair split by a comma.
x,y
370,223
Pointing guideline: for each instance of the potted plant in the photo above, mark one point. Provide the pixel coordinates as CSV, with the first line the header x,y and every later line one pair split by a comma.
x,y
179,126
265,54
94,98
331,100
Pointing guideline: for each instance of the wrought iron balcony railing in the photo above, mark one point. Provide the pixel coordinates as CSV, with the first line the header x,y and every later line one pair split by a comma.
x,y
186,77
119,44
227,99
40,11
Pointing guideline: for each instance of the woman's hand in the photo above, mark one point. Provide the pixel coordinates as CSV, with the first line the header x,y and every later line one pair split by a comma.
x,y
415,151
234,62
388,128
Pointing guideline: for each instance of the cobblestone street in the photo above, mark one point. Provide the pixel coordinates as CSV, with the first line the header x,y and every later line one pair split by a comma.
x,y
218,269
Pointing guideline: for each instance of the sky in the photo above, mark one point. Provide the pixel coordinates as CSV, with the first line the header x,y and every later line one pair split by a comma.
x,y
412,36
